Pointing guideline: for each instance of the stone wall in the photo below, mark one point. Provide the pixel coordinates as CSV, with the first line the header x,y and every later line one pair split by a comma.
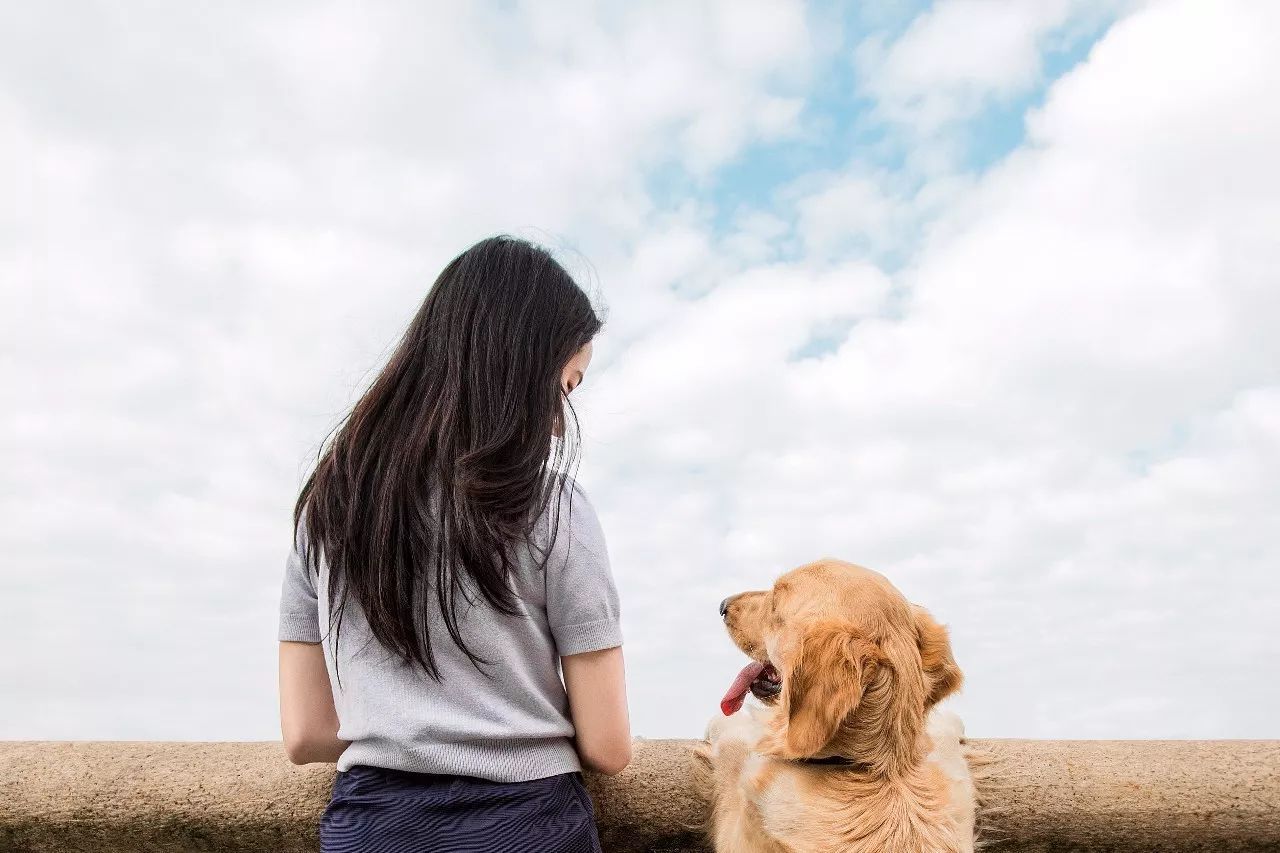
x,y
132,796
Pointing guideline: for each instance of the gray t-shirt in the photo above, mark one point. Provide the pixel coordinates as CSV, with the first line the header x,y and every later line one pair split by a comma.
x,y
512,727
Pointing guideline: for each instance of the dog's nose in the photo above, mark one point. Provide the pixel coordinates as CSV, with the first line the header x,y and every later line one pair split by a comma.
x,y
724,607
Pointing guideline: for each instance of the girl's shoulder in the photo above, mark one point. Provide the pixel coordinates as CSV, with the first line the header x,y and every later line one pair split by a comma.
x,y
570,514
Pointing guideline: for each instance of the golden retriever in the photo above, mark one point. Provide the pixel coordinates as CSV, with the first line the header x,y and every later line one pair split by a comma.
x,y
847,753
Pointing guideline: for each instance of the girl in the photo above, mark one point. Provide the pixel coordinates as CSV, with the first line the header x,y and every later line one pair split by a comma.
x,y
478,668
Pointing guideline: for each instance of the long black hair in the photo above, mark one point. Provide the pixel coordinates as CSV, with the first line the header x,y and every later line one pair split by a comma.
x,y
449,459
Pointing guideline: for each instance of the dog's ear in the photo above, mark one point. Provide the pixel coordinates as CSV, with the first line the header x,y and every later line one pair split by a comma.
x,y
834,664
942,676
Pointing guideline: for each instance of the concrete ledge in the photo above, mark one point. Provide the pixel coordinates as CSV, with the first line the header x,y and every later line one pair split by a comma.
x,y
130,796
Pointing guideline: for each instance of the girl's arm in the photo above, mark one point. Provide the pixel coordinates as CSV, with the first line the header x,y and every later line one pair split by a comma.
x,y
597,688
308,720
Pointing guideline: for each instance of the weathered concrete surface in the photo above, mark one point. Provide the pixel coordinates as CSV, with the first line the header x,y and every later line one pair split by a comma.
x,y
133,796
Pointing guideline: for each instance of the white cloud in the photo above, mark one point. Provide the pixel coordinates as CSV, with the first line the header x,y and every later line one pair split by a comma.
x,y
1063,433
1056,425
960,55
224,218
854,207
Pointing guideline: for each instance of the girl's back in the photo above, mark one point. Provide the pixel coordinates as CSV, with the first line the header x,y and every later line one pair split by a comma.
x,y
507,720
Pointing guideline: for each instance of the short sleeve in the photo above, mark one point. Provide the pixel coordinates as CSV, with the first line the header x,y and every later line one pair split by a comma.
x,y
582,601
299,609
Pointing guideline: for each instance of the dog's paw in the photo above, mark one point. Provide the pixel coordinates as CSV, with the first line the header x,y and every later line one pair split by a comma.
x,y
945,726
716,727
742,727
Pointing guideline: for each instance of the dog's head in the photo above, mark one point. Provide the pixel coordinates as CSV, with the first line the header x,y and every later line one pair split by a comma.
x,y
849,664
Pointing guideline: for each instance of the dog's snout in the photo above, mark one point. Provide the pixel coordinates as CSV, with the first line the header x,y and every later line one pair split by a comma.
x,y
724,607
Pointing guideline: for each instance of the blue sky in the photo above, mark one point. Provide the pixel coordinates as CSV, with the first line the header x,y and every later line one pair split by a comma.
x,y
976,294
839,126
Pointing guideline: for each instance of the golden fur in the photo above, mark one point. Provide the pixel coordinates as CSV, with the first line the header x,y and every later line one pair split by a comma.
x,y
862,670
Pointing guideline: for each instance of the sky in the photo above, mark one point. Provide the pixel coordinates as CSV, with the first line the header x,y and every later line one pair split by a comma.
x,y
980,294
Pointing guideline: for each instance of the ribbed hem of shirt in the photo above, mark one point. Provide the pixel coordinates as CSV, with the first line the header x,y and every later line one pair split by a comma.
x,y
499,761
587,637
300,629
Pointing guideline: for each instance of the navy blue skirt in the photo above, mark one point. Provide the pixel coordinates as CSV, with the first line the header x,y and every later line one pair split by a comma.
x,y
395,811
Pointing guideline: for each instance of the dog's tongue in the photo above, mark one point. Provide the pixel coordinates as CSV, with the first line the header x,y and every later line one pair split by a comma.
x,y
733,699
